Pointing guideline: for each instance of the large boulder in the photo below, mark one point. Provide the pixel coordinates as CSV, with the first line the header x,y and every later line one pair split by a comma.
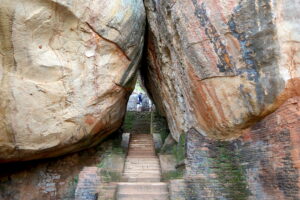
x,y
67,68
220,66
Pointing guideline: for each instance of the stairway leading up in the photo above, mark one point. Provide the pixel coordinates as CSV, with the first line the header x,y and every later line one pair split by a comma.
x,y
142,173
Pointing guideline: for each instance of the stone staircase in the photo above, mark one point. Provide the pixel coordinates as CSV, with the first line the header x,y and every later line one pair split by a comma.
x,y
142,173
140,178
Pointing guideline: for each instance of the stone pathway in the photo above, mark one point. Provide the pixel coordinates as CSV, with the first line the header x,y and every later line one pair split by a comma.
x,y
141,124
139,176
142,173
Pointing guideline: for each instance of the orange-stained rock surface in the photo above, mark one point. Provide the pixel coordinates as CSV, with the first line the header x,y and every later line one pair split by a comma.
x,y
66,71
220,66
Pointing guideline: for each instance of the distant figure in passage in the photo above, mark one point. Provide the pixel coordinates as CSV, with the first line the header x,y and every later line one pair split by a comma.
x,y
140,96
139,103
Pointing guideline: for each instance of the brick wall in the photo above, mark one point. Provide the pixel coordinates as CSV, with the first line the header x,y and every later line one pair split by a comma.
x,y
262,164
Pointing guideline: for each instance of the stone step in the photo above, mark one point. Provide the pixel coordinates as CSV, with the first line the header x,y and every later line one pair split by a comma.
x,y
145,163
142,150
141,156
141,146
107,191
141,179
141,160
139,174
135,154
139,151
163,196
140,167
143,186
142,172
142,135
141,143
141,138
145,139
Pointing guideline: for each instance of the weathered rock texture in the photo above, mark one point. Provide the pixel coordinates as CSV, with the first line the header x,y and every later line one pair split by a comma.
x,y
66,70
264,163
220,66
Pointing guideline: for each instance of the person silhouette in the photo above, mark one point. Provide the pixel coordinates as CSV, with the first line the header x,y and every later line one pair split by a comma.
x,y
140,98
139,102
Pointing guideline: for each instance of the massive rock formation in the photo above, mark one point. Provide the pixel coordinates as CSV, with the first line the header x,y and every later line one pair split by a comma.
x,y
66,70
219,66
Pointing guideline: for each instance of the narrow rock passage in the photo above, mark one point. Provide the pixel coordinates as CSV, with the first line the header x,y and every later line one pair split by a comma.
x,y
142,173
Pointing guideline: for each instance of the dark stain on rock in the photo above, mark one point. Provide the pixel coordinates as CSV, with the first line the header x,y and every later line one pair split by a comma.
x,y
225,65
287,176
254,36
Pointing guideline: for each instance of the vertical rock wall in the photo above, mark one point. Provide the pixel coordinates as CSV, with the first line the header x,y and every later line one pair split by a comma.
x,y
220,66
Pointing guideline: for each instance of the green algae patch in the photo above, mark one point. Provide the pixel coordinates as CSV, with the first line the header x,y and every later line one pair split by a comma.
x,y
230,173
137,122
180,149
160,126
112,162
72,184
171,175
108,176
128,121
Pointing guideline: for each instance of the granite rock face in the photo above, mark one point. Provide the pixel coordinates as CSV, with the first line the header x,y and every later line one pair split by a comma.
x,y
67,68
219,66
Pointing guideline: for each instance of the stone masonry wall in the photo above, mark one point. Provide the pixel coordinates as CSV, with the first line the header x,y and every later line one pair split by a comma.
x,y
262,164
